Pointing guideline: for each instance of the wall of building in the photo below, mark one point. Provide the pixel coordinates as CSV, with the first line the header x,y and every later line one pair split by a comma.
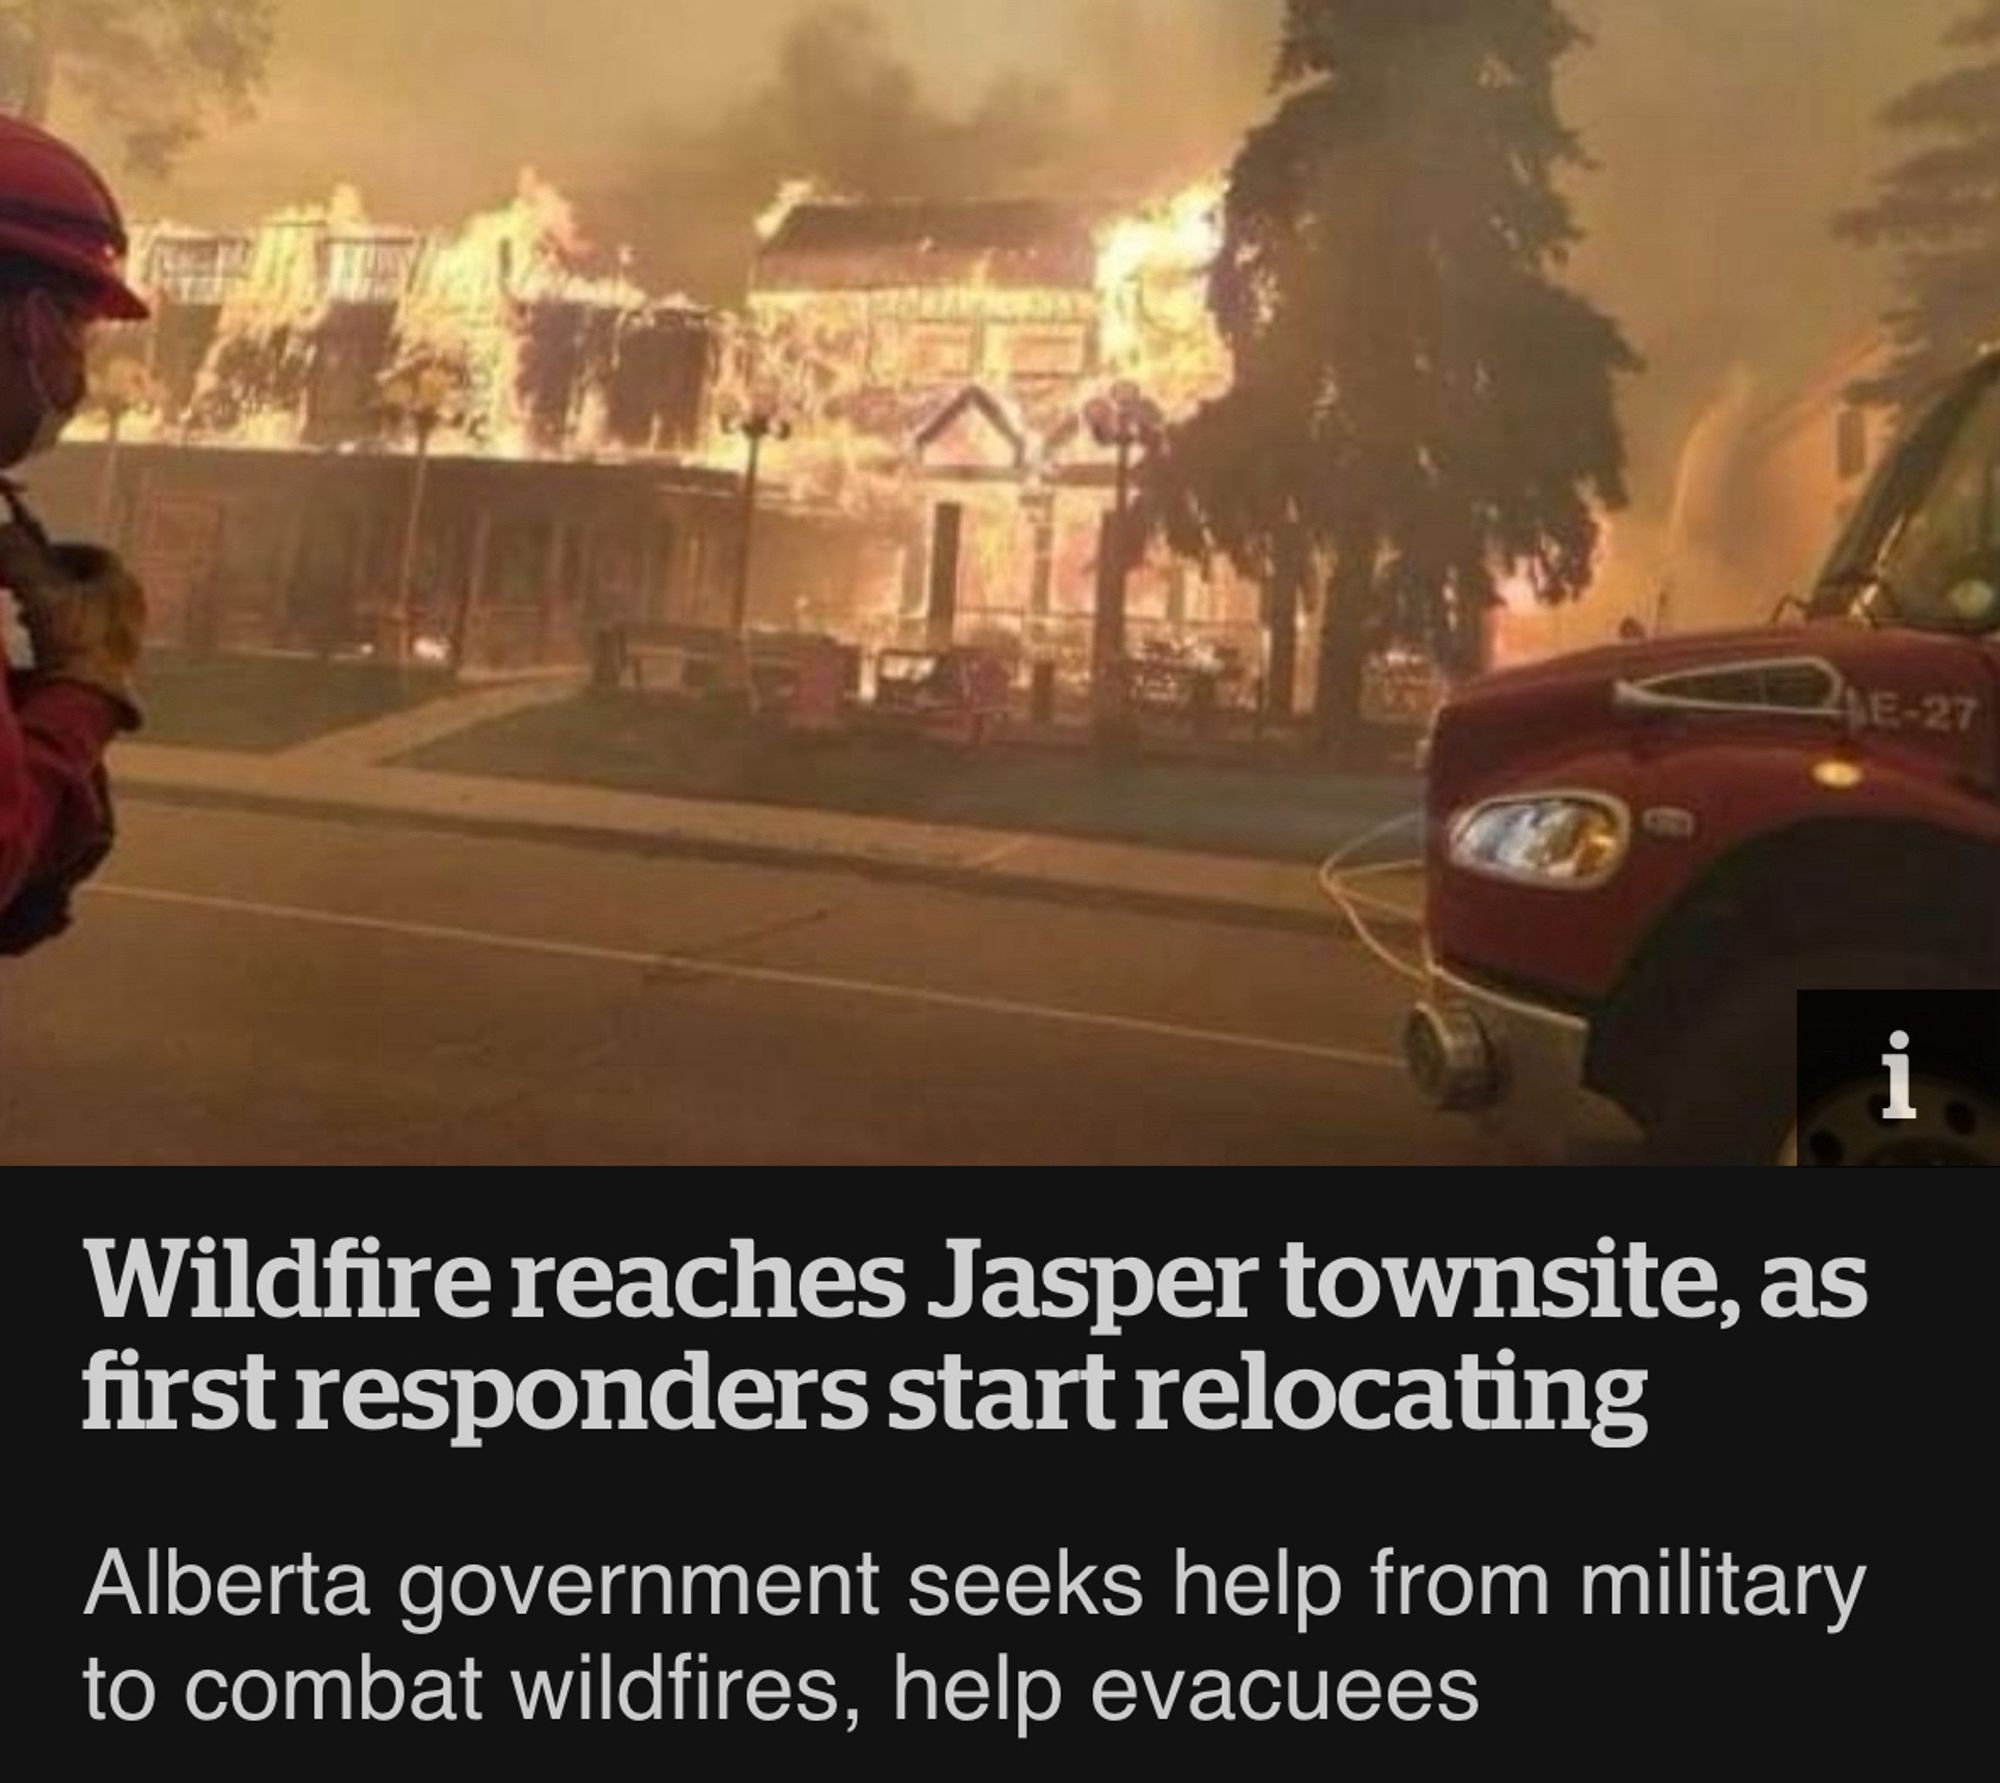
x,y
304,552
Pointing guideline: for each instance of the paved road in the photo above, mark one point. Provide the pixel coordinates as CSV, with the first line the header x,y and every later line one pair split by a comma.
x,y
276,989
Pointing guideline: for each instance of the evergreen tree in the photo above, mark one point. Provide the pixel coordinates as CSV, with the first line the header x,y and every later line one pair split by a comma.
x,y
1417,404
1941,207
152,69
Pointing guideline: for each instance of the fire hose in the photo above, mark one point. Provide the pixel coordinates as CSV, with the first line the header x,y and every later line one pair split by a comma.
x,y
1338,879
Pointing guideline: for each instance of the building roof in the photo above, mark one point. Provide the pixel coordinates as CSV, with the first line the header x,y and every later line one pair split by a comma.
x,y
1021,243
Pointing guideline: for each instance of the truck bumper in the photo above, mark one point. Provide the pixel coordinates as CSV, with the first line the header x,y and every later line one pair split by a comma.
x,y
1518,1066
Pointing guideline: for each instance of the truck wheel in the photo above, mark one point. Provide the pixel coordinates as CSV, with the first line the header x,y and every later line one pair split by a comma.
x,y
1730,1086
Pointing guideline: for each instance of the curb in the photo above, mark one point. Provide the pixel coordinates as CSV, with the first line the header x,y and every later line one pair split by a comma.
x,y
989,881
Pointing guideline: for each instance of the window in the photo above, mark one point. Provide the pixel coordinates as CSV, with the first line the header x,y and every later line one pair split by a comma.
x,y
1037,350
200,270
941,350
1933,560
369,269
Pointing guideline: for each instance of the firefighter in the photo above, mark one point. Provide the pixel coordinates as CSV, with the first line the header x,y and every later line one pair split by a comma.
x,y
62,245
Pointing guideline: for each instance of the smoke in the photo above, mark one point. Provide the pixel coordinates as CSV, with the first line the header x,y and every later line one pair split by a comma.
x,y
1728,133
1143,108
842,110
675,122
1172,90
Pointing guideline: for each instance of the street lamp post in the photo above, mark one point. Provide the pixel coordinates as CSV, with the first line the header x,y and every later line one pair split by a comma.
x,y
756,425
125,387
422,398
115,411
1125,422
424,422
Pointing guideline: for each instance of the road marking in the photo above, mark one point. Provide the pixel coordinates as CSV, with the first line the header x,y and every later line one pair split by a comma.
x,y
765,975
993,857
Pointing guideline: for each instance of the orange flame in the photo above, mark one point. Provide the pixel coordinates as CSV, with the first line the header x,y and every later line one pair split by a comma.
x,y
793,193
1152,283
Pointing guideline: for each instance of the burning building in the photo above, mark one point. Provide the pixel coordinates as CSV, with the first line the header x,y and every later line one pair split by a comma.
x,y
338,434
334,431
936,362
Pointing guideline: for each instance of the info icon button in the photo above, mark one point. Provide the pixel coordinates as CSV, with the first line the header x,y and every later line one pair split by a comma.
x,y
1898,1078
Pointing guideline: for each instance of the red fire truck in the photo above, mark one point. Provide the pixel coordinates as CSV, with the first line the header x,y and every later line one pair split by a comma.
x,y
1638,856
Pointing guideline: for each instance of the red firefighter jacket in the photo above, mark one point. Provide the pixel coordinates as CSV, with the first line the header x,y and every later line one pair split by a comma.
x,y
54,809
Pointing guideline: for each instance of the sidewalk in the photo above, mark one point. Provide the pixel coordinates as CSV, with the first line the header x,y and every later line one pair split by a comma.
x,y
384,739
347,774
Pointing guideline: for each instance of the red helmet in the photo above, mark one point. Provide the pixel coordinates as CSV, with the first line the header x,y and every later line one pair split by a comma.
x,y
55,211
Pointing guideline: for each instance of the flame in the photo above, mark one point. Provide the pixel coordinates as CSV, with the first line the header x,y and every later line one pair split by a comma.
x,y
778,212
859,373
1152,285
1181,236
483,317
345,211
464,305
1521,585
284,284
468,299
1526,627
531,251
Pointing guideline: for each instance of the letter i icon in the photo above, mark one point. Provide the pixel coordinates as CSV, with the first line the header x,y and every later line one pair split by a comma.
x,y
1900,1107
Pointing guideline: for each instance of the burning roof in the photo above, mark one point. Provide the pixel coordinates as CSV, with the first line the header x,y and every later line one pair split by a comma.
x,y
303,331
1011,243
867,320
512,336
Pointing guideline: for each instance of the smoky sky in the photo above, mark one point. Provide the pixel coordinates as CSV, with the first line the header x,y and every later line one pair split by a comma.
x,y
1727,132
431,107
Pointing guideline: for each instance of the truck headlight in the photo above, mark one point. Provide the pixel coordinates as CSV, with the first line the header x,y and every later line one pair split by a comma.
x,y
1574,840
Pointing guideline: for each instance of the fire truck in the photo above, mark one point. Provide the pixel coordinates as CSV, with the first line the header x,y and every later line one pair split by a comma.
x,y
1638,856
